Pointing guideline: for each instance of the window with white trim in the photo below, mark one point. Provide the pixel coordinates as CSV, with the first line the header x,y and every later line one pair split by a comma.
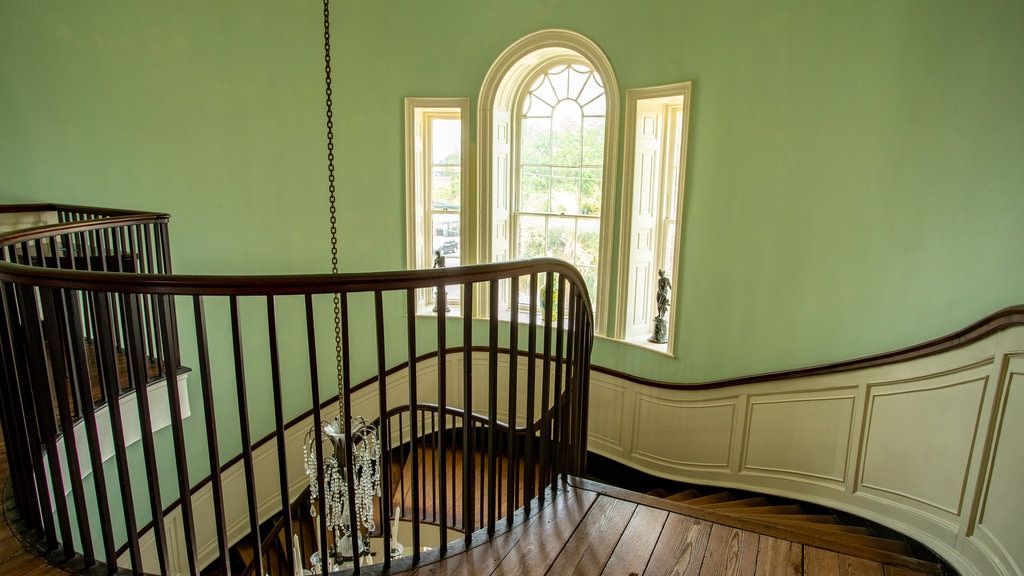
x,y
436,150
652,201
557,207
547,123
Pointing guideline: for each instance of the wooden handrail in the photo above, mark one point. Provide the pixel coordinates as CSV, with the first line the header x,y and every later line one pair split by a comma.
x,y
57,323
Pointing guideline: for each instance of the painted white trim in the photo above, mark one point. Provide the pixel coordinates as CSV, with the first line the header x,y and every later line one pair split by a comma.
x,y
633,95
467,209
950,439
160,417
510,69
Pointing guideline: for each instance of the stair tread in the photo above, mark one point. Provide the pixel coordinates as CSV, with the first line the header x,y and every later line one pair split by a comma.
x,y
760,510
813,526
683,496
744,503
709,499
808,518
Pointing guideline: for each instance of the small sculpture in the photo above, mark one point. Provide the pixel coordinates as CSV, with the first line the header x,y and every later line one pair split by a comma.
x,y
660,335
439,263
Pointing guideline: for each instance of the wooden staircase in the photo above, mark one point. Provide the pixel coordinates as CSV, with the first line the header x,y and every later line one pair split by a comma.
x,y
796,521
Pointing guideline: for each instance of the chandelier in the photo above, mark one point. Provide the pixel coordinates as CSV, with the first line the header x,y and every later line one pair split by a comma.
x,y
331,497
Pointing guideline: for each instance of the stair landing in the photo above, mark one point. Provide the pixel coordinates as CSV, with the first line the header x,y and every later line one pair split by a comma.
x,y
595,529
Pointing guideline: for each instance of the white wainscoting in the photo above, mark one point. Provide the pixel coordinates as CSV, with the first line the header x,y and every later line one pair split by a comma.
x,y
932,447
365,403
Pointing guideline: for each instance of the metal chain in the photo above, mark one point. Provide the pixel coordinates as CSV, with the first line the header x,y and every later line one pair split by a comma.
x,y
334,209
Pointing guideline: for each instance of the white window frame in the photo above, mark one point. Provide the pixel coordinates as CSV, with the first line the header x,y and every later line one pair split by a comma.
x,y
637,295
497,138
419,247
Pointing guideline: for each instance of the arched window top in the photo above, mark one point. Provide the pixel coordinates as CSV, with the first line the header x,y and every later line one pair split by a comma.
x,y
547,123
523,62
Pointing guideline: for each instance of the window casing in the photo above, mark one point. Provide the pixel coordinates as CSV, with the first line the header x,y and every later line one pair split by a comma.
x,y
519,218
652,200
437,143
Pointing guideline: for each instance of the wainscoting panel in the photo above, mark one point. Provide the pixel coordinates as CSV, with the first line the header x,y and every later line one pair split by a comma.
x,y
999,529
929,446
802,434
919,437
609,422
684,434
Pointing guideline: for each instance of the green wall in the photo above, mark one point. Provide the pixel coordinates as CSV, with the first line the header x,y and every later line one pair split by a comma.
x,y
855,176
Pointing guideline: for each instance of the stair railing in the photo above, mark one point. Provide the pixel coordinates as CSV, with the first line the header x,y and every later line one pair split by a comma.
x,y
88,304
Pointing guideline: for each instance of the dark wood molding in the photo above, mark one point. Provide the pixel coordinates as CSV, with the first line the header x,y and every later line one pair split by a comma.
x,y
988,326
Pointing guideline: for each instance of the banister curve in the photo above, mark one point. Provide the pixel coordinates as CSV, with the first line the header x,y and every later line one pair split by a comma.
x,y
89,319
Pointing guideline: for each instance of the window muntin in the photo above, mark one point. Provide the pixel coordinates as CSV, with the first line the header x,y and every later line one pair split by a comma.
x,y
561,161
652,205
437,139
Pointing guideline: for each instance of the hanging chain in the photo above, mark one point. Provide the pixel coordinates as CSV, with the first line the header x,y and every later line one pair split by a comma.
x,y
334,209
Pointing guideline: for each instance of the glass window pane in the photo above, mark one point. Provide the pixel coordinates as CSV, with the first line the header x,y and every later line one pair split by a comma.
x,y
670,244
536,140
595,107
567,134
446,187
565,190
446,140
590,191
588,237
531,236
590,279
578,77
446,235
534,189
593,141
561,238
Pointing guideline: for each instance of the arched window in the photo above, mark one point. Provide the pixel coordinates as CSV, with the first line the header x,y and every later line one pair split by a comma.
x,y
547,122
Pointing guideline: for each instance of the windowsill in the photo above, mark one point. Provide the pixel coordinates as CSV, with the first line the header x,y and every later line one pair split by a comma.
x,y
642,342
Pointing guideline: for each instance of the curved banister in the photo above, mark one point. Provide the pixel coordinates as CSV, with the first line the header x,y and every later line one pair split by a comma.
x,y
74,334
282,285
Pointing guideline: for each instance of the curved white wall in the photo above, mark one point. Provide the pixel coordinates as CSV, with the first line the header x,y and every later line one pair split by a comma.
x,y
930,447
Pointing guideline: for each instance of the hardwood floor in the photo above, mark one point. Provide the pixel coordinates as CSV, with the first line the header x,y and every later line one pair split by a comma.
x,y
591,528
15,558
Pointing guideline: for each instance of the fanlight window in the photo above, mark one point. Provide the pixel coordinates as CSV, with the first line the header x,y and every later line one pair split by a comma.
x,y
561,162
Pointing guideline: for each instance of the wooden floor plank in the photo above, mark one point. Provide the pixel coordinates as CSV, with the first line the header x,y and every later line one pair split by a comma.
x,y
536,551
898,571
777,557
730,551
634,549
818,562
681,546
483,559
592,543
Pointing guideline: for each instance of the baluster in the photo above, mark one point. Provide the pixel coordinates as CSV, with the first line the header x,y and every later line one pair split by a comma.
x,y
108,373
512,485
243,417
413,433
467,406
385,432
210,420
137,374
442,403
282,461
318,423
42,407
170,343
492,409
55,329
